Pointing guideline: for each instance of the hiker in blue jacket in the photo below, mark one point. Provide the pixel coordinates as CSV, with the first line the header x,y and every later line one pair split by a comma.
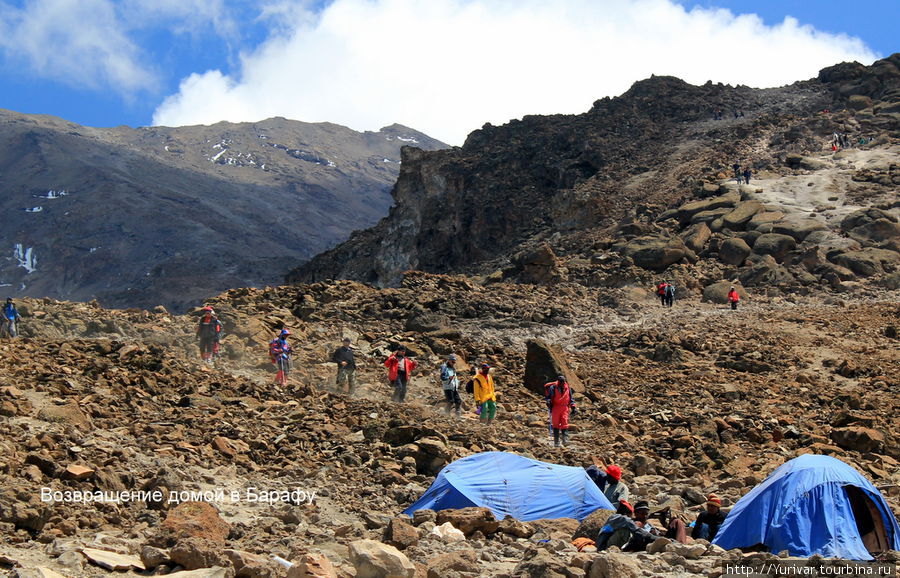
x,y
11,317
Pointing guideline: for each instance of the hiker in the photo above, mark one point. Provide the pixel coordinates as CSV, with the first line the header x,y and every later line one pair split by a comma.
x,y
280,355
346,366
747,174
208,330
645,533
661,292
669,295
560,402
619,529
609,481
450,385
400,368
733,298
674,529
737,172
708,522
11,317
485,396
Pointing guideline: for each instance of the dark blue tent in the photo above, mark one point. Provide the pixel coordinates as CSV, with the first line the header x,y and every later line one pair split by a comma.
x,y
813,505
513,485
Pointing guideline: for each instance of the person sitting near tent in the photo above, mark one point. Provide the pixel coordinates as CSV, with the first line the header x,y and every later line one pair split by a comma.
x,y
621,530
708,522
673,529
609,480
485,396
560,401
644,533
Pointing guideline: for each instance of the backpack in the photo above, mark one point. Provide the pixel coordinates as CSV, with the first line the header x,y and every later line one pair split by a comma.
x,y
670,290
470,386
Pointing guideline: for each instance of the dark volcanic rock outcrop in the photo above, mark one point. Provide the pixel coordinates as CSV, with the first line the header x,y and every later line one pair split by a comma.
x,y
612,177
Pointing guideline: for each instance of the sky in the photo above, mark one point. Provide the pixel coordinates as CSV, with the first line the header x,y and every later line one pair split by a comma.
x,y
444,67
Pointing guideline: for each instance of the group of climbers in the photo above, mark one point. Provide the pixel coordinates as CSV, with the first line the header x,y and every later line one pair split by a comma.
x,y
631,528
665,290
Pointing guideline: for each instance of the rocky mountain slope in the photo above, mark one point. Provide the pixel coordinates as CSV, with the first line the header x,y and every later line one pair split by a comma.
x,y
689,400
140,217
641,182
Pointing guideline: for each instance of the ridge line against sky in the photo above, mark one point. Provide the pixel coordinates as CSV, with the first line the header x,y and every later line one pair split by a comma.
x,y
445,68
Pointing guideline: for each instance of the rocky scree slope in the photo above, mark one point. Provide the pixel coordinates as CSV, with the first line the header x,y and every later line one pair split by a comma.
x,y
687,412
638,187
156,215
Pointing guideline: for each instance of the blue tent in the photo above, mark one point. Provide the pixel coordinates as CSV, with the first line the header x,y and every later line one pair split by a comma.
x,y
813,505
513,485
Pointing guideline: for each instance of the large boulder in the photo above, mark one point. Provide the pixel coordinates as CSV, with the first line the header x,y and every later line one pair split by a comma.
x,y
733,251
400,533
741,215
541,563
543,362
615,565
764,218
655,253
191,520
688,210
469,520
459,563
590,526
764,270
869,261
798,229
774,244
871,226
718,292
857,438
696,236
372,559
430,454
538,266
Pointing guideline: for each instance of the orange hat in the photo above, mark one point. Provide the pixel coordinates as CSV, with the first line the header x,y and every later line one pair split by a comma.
x,y
615,472
207,308
713,500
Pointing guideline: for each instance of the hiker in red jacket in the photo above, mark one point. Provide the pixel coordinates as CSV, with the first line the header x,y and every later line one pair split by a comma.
x,y
400,369
280,354
733,298
560,402
208,330
661,292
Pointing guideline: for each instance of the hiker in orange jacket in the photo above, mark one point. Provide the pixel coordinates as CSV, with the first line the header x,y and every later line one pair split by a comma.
x,y
400,368
485,396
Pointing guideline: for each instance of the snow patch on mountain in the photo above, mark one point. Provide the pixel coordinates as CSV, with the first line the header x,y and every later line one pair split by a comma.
x,y
25,257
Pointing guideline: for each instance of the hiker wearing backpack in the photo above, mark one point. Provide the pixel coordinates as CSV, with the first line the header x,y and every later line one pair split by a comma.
x,y
485,396
450,385
733,298
346,367
11,318
400,368
661,292
560,402
280,354
669,295
208,330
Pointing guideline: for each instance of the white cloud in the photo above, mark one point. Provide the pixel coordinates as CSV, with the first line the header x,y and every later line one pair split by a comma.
x,y
448,66
76,41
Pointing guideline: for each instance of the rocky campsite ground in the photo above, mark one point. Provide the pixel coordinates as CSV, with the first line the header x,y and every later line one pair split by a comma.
x,y
689,400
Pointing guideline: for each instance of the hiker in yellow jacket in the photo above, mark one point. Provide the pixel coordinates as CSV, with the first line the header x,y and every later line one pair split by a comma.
x,y
484,394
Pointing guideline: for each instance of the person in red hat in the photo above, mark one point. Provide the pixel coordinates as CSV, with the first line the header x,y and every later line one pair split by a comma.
x,y
208,330
609,480
708,522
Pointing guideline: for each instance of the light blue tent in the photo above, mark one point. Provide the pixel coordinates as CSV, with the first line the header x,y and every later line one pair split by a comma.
x,y
813,505
513,485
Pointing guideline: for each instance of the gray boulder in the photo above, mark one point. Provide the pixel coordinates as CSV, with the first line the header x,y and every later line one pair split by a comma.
x,y
655,253
774,244
733,251
738,218
696,236
718,292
